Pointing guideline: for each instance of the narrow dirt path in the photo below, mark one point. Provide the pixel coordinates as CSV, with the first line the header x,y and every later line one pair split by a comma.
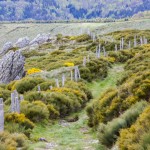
x,y
77,135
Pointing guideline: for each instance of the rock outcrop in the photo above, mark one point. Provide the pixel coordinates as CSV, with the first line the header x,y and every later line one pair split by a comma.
x,y
22,42
40,39
7,46
11,66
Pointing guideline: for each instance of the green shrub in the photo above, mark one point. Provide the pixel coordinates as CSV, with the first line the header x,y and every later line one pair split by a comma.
x,y
36,111
26,84
134,87
82,38
5,94
109,133
15,122
33,53
12,141
62,103
46,85
85,73
96,111
33,96
135,136
53,113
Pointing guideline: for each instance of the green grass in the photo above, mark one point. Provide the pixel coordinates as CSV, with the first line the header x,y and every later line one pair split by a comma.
x,y
74,135
77,135
114,74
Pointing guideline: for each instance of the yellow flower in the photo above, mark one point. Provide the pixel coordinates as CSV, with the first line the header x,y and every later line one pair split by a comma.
x,y
33,70
69,64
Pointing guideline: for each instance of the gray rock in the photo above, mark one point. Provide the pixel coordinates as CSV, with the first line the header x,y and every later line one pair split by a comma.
x,y
7,46
34,46
40,39
11,66
22,42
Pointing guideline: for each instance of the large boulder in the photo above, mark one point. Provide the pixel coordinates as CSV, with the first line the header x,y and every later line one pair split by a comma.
x,y
7,46
11,66
40,39
22,42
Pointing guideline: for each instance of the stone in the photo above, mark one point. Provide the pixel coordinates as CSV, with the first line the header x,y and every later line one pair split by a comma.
x,y
34,46
11,66
22,42
40,39
7,46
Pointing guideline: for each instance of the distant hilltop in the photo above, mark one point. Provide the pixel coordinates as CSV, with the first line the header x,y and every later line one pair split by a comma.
x,y
17,10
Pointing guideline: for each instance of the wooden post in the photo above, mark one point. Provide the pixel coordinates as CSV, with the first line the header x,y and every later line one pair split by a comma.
x,y
129,45
145,40
51,87
57,83
63,80
78,72
71,73
104,51
116,48
99,51
141,40
12,102
21,98
39,88
135,42
75,74
122,43
84,61
17,105
1,115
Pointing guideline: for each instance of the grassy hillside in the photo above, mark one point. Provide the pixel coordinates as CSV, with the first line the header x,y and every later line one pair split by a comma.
x,y
109,89
12,32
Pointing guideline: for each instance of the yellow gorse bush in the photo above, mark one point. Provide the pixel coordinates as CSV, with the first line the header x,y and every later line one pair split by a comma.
x,y
33,70
67,90
19,118
69,64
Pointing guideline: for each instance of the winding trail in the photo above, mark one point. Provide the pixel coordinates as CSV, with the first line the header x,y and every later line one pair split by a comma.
x,y
77,135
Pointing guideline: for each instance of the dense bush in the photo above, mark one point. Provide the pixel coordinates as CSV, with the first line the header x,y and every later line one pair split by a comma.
x,y
137,136
96,68
82,38
53,113
109,133
12,141
134,87
97,110
4,93
33,96
36,111
26,84
15,122
122,56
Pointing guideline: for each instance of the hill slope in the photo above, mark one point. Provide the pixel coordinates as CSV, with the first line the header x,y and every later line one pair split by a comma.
x,y
58,10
